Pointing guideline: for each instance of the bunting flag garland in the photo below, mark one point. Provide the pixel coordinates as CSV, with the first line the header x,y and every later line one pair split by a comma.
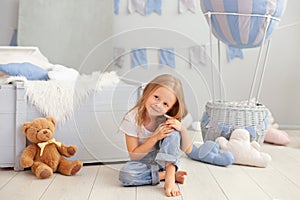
x,y
224,128
137,6
198,55
167,57
185,5
139,57
233,52
251,130
116,6
118,56
153,6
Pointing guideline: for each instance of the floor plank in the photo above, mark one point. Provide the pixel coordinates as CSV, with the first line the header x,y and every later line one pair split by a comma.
x,y
6,175
280,180
273,183
284,160
72,187
25,186
236,184
199,184
153,192
107,185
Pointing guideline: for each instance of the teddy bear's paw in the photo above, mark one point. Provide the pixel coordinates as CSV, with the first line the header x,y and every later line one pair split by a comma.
x,y
71,150
25,163
44,173
76,168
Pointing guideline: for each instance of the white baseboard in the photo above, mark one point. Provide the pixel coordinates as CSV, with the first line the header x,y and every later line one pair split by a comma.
x,y
289,127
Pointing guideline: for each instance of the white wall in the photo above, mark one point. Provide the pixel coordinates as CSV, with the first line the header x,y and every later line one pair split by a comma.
x,y
168,30
9,20
67,31
281,86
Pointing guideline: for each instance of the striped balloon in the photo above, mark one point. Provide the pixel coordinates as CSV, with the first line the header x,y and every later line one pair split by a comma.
x,y
242,23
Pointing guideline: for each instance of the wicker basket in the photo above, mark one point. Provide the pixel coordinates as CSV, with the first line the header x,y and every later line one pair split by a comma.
x,y
221,118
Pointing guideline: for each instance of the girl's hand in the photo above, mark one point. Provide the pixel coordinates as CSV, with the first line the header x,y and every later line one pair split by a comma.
x,y
162,131
173,123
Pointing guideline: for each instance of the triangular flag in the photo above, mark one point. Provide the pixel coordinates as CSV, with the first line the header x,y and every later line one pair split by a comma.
x,y
185,5
167,57
153,6
139,57
233,52
198,55
116,6
137,6
251,130
118,56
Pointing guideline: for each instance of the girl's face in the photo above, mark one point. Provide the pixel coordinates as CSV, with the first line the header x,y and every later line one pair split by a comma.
x,y
160,102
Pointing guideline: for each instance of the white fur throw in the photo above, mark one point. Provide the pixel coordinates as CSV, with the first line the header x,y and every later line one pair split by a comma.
x,y
58,98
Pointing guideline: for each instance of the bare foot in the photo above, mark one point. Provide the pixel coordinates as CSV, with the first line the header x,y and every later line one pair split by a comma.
x,y
180,176
171,190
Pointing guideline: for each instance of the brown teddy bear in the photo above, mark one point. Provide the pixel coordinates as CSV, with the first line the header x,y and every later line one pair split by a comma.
x,y
45,155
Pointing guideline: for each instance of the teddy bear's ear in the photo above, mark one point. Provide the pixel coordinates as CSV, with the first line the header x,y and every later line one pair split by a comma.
x,y
26,126
51,119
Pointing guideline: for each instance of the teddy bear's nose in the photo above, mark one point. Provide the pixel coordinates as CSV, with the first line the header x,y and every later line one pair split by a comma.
x,y
44,135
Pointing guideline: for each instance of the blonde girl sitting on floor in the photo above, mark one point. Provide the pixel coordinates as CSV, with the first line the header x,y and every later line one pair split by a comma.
x,y
154,136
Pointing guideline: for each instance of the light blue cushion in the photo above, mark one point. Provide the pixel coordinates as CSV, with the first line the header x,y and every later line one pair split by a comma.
x,y
209,152
28,70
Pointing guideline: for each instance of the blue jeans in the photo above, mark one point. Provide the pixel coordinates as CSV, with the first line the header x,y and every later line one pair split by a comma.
x,y
145,171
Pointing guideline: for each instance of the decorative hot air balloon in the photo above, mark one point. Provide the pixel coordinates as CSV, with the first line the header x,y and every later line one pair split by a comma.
x,y
239,24
243,23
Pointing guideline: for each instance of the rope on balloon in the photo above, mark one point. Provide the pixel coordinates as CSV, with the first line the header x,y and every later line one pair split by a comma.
x,y
269,17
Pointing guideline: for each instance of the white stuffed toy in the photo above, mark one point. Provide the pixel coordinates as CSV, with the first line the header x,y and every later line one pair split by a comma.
x,y
244,151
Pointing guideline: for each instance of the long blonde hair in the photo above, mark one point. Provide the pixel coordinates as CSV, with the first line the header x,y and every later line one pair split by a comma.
x,y
178,111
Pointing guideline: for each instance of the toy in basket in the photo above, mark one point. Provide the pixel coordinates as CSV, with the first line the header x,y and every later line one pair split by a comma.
x,y
221,118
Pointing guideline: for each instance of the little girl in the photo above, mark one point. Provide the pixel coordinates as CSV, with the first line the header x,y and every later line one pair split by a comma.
x,y
154,136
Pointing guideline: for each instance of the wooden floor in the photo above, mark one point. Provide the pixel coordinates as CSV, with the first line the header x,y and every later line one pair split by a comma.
x,y
279,181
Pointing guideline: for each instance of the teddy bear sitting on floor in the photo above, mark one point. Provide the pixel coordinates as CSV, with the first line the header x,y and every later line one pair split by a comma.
x,y
45,155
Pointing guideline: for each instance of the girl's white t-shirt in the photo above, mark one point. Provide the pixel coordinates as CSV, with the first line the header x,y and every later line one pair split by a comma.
x,y
129,126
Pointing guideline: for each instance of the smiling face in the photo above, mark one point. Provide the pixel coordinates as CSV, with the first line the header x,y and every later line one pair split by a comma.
x,y
160,102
